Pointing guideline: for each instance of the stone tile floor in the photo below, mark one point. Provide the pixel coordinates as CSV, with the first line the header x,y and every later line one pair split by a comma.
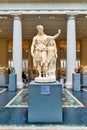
x,y
42,128
16,118
21,99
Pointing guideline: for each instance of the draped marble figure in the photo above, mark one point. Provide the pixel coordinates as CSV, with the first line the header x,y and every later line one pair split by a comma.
x,y
44,53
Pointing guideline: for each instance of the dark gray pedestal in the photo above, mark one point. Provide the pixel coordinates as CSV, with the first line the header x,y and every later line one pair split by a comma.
x,y
76,82
45,102
3,80
12,82
84,79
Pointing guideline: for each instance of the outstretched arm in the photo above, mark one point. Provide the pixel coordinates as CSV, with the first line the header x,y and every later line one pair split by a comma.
x,y
55,36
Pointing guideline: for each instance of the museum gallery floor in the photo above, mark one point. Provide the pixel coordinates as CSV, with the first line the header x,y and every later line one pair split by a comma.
x,y
13,108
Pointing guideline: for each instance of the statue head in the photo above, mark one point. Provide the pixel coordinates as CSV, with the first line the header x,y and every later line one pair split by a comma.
x,y
40,29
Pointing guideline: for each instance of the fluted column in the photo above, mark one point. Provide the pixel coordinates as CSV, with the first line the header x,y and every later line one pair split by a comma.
x,y
71,48
17,49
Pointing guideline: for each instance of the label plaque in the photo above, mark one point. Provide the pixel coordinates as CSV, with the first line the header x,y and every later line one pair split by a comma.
x,y
45,89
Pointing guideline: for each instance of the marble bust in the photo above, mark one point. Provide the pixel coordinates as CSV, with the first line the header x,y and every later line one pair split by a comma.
x,y
44,53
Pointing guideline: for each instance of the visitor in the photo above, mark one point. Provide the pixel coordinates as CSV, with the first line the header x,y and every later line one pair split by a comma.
x,y
24,77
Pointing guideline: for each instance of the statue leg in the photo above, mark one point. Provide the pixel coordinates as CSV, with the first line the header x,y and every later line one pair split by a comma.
x,y
44,65
39,69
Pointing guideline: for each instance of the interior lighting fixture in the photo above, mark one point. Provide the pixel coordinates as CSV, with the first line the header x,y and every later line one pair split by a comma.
x,y
52,17
8,31
3,17
39,17
26,51
86,16
9,50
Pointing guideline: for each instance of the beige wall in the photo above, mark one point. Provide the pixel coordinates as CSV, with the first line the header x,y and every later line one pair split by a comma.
x,y
3,52
83,55
58,54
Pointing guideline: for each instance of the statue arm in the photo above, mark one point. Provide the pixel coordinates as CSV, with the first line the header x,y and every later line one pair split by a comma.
x,y
55,49
32,47
55,36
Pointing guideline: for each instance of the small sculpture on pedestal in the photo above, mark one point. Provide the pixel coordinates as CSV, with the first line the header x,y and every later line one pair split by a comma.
x,y
44,53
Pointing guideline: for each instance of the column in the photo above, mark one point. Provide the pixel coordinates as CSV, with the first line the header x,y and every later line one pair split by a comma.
x,y
3,52
71,49
17,49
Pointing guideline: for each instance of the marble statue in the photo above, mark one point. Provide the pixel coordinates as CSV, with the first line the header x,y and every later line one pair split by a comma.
x,y
44,53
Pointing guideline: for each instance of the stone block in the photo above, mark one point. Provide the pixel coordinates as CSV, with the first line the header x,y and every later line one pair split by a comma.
x,y
12,82
45,102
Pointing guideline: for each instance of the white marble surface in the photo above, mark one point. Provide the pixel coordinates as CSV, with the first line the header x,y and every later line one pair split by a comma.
x,y
71,47
17,49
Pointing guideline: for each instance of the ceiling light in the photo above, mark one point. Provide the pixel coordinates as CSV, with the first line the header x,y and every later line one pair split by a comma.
x,y
78,50
26,50
9,50
39,17
3,17
52,17
86,16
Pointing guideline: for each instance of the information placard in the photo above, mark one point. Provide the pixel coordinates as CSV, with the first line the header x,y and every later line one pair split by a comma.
x,y
45,89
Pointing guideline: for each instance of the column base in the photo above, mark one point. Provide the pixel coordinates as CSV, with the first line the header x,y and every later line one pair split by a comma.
x,y
45,79
20,85
68,84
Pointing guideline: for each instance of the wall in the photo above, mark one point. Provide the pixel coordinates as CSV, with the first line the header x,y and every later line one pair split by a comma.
x,y
3,52
83,57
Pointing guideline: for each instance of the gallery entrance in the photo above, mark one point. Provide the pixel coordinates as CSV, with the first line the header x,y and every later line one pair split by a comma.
x,y
51,24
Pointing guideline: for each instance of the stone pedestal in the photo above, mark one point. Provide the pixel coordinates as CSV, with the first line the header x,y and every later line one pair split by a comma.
x,y
76,82
3,80
84,79
45,102
45,79
12,82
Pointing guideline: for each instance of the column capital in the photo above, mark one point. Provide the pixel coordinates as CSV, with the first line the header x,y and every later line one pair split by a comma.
x,y
16,16
71,15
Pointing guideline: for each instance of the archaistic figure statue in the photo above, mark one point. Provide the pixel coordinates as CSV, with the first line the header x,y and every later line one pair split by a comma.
x,y
51,58
44,53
